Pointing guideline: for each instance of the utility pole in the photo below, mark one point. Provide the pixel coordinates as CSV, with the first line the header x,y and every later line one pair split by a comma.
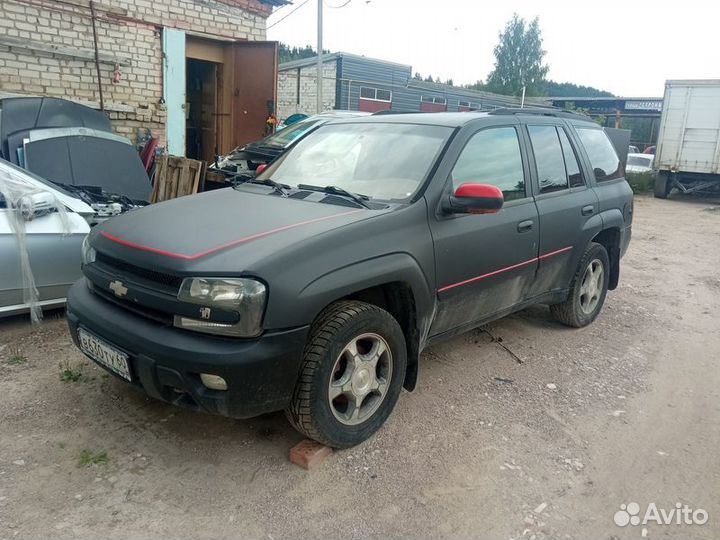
x,y
319,57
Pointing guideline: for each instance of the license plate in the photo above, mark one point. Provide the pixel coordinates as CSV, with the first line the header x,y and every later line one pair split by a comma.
x,y
104,354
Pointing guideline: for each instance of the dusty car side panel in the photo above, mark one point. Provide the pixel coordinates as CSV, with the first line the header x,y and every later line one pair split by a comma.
x,y
484,263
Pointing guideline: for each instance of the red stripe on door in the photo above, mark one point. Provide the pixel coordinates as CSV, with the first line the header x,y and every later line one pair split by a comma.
x,y
505,269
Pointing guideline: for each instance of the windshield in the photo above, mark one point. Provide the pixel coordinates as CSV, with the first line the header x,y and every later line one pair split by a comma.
x,y
291,133
383,161
640,161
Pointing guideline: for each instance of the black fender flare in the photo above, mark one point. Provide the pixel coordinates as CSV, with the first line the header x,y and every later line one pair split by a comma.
x,y
377,271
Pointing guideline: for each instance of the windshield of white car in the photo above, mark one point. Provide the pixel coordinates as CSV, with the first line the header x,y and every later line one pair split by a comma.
x,y
385,161
19,172
639,161
290,134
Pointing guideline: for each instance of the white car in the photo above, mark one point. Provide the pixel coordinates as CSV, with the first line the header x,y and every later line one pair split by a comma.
x,y
639,163
38,240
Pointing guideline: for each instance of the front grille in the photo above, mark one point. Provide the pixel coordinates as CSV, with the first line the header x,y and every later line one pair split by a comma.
x,y
155,315
114,266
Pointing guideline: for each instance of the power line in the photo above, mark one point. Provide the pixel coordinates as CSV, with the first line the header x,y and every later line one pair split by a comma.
x,y
287,15
338,7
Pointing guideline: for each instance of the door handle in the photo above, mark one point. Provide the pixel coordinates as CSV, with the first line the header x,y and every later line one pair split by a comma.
x,y
525,226
587,210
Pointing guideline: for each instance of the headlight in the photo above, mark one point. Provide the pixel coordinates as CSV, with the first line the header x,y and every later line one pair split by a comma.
x,y
88,252
244,296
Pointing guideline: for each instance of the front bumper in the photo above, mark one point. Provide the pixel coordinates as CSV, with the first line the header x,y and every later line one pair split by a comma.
x,y
166,362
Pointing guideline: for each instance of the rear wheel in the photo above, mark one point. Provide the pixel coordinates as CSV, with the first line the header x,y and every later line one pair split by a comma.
x,y
352,374
663,184
587,291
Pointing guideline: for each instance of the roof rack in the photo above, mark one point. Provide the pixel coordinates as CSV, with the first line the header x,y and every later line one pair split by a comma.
x,y
390,111
540,111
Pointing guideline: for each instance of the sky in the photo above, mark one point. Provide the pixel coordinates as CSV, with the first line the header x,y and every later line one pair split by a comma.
x,y
627,48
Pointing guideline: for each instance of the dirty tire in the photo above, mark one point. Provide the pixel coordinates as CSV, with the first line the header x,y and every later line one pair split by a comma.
x,y
570,312
662,185
310,410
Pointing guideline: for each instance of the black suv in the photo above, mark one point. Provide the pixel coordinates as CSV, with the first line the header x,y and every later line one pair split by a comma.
x,y
314,288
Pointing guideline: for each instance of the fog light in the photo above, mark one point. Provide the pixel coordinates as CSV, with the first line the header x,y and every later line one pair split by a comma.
x,y
213,382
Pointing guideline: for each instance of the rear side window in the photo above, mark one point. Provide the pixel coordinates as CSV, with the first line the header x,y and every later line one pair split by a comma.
x,y
571,163
548,158
492,156
603,158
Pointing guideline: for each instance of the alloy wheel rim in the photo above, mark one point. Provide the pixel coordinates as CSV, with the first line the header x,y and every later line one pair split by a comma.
x,y
591,286
360,379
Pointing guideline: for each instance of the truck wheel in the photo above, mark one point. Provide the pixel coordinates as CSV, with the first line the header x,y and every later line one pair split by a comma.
x,y
351,376
587,290
662,185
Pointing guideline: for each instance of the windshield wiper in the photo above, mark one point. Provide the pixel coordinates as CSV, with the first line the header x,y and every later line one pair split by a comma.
x,y
277,186
337,190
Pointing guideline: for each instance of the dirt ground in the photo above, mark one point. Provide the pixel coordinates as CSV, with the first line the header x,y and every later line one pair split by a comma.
x,y
626,410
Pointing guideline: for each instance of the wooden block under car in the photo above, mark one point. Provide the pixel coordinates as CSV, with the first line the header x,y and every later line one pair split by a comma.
x,y
307,454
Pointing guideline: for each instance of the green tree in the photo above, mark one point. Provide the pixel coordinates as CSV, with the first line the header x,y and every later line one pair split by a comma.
x,y
556,89
518,60
288,54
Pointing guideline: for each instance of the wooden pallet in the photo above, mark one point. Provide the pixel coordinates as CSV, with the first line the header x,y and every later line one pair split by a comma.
x,y
176,177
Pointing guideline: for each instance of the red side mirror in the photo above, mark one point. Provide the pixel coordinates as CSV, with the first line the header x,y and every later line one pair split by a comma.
x,y
261,169
474,198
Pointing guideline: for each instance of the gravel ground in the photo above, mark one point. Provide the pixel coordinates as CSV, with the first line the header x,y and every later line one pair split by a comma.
x,y
626,410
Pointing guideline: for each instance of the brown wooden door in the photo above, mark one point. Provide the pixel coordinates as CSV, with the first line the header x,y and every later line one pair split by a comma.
x,y
254,93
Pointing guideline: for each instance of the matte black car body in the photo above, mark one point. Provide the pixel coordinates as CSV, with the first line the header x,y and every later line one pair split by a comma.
x,y
438,274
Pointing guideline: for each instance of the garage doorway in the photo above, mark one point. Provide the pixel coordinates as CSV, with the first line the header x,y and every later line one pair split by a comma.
x,y
203,99
218,94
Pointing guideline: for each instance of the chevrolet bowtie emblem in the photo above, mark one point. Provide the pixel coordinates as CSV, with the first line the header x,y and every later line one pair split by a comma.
x,y
118,288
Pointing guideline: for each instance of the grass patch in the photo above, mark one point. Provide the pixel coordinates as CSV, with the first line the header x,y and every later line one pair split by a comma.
x,y
88,458
15,358
61,445
641,182
70,373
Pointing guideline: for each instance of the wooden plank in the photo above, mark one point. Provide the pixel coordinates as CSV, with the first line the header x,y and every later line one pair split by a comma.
x,y
72,53
176,177
160,175
196,179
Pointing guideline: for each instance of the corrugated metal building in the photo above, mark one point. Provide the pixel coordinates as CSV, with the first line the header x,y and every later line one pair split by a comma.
x,y
369,84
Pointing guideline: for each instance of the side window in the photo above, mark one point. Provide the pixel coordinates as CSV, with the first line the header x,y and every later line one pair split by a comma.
x,y
492,156
548,158
571,163
603,158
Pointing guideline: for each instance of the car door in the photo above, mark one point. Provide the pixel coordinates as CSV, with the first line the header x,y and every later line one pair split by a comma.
x,y
567,207
10,277
486,263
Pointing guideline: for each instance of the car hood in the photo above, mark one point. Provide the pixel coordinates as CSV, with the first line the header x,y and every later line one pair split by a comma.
x,y
221,231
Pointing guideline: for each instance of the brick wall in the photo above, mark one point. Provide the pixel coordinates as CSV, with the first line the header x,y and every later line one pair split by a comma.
x,y
46,48
288,95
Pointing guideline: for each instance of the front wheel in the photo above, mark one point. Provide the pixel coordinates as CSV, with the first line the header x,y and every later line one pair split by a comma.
x,y
587,290
352,374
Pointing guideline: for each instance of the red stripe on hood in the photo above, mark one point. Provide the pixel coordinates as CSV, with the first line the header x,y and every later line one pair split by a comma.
x,y
242,240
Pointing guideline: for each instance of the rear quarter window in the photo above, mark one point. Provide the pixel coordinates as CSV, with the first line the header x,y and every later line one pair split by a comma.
x,y
603,158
